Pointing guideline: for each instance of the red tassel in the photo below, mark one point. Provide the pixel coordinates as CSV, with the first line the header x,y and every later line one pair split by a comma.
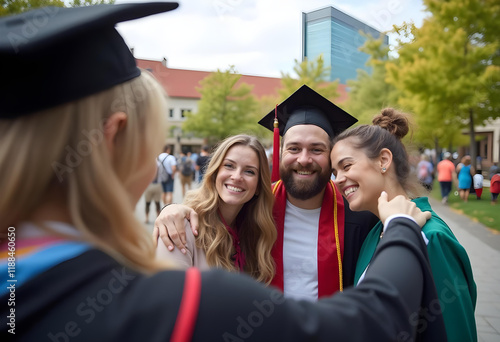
x,y
275,175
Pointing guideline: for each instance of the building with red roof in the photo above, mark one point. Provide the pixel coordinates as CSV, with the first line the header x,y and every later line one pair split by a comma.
x,y
180,86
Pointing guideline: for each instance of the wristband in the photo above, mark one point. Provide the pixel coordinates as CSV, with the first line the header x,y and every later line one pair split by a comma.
x,y
166,205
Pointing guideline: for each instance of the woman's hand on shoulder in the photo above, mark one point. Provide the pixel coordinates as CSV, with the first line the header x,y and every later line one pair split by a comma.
x,y
170,228
400,205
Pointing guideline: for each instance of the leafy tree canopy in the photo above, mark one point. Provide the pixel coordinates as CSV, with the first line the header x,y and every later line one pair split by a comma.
x,y
225,108
9,7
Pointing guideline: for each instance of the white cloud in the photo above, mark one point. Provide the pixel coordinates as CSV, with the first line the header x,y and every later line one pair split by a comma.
x,y
258,37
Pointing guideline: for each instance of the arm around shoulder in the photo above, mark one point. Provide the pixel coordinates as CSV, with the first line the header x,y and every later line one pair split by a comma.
x,y
183,260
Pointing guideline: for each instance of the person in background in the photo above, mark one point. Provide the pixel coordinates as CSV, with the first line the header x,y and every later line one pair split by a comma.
x,y
194,157
169,163
369,159
85,267
202,162
185,166
153,193
493,170
478,183
425,171
465,171
446,176
495,187
234,206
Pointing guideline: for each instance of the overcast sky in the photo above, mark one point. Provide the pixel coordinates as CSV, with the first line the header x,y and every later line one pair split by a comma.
x,y
258,37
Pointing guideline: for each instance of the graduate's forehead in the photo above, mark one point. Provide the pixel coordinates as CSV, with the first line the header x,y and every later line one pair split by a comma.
x,y
306,135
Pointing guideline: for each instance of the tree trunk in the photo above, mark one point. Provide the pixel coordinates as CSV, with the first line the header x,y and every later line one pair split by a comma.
x,y
472,134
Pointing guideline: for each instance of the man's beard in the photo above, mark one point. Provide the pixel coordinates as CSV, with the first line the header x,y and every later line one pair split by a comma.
x,y
304,189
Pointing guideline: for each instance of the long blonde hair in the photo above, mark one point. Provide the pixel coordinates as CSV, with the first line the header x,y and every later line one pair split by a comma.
x,y
64,149
255,222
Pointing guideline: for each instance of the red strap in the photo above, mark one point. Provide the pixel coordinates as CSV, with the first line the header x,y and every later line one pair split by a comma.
x,y
329,255
188,311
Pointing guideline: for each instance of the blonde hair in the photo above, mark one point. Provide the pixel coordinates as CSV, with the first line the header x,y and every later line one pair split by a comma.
x,y
255,222
63,149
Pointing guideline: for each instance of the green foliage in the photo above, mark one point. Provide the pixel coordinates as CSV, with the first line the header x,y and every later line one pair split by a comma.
x,y
224,109
369,93
312,74
9,7
448,70
80,3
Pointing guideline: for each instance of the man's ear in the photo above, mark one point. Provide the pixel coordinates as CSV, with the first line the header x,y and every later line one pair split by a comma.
x,y
385,159
114,124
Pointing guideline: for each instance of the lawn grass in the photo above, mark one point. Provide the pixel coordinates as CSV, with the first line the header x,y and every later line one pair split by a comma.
x,y
478,210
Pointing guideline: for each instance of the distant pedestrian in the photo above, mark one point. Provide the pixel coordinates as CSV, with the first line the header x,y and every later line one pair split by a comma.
x,y
478,183
202,162
495,187
446,175
194,157
186,168
425,172
153,192
465,172
170,164
493,170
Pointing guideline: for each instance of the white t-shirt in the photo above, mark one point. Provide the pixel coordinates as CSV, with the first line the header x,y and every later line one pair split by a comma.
x,y
300,253
478,181
168,162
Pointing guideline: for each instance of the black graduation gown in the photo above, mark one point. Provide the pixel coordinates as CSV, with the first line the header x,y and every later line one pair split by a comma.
x,y
357,225
93,298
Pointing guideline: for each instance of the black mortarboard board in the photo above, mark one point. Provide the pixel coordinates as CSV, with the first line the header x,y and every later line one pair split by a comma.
x,y
53,55
307,107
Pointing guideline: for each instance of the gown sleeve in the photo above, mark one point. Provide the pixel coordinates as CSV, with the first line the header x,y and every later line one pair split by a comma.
x,y
385,307
455,285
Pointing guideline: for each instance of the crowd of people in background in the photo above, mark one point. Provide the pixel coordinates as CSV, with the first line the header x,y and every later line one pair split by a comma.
x,y
190,167
457,173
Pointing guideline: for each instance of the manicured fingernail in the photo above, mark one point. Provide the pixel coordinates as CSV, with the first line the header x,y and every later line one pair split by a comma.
x,y
183,251
196,232
170,248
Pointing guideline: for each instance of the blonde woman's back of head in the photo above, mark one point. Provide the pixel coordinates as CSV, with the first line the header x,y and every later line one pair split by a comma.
x,y
61,155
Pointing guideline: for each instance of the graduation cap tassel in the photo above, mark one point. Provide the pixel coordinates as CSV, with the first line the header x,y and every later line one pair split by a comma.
x,y
275,175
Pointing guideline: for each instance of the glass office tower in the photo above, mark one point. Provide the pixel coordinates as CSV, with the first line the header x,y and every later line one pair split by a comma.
x,y
336,36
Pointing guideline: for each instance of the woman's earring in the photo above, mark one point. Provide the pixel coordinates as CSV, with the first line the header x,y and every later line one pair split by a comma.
x,y
384,169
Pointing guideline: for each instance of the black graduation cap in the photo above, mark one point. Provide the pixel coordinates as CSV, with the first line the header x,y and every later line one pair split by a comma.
x,y
307,107
304,107
53,55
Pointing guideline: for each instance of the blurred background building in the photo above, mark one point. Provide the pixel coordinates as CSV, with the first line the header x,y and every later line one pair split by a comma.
x,y
336,36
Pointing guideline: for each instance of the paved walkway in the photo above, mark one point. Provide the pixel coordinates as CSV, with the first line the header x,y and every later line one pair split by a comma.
x,y
483,248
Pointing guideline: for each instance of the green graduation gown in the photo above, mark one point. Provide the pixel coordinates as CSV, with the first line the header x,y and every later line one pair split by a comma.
x,y
451,270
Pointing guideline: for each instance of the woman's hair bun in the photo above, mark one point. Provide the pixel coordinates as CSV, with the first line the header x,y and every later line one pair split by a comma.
x,y
395,122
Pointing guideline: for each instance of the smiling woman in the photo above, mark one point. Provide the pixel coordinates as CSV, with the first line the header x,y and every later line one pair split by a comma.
x,y
369,159
234,204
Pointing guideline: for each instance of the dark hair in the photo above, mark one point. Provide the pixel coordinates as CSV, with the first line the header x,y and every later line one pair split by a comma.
x,y
387,130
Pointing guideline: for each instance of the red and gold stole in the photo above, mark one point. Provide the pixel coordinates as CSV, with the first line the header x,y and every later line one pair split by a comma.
x,y
330,239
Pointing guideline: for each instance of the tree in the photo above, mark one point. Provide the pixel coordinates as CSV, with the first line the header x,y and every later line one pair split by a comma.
x,y
449,71
312,74
224,108
370,93
10,7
